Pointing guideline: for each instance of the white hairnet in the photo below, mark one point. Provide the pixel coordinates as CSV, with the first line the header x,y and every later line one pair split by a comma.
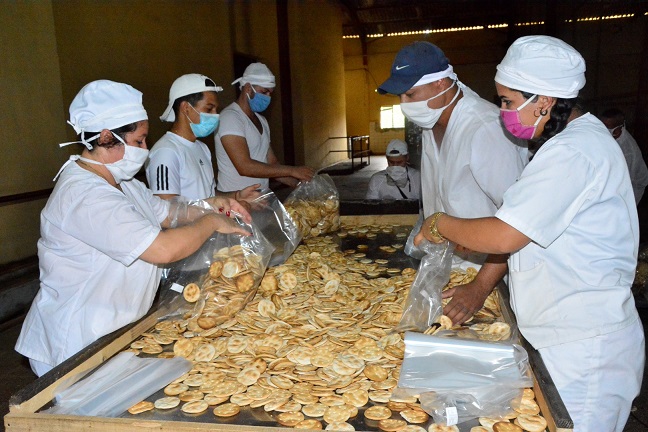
x,y
542,65
106,104
257,74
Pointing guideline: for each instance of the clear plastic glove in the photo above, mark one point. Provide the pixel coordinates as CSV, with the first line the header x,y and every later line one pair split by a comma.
x,y
227,225
226,206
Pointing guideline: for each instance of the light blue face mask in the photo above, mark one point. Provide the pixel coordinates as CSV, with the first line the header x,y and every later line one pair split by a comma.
x,y
208,124
259,102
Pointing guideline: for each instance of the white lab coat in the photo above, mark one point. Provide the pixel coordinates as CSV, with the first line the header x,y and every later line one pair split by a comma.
x,y
636,163
92,281
477,162
575,202
382,187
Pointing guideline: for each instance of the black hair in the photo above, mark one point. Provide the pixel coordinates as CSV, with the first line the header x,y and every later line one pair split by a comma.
x,y
191,99
613,114
556,123
121,131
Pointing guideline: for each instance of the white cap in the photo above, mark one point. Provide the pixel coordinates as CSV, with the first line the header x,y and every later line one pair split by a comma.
x,y
542,65
396,148
105,104
186,85
257,74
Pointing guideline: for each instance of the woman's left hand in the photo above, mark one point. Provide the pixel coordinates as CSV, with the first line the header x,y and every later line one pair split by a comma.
x,y
227,206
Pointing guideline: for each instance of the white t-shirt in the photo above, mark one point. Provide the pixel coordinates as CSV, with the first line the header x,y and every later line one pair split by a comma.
x,y
636,163
91,280
381,186
574,201
177,166
233,121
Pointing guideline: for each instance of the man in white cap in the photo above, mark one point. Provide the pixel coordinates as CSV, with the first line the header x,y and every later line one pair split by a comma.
x,y
103,234
468,159
243,149
399,181
614,120
179,163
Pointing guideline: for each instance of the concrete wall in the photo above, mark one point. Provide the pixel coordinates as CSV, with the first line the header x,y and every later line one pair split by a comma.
x,y
145,43
32,119
254,33
317,69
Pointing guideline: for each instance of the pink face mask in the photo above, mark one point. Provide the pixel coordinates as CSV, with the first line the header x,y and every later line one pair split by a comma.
x,y
512,122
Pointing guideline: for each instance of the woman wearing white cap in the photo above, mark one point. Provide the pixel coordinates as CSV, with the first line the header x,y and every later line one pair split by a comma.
x,y
102,232
243,149
570,225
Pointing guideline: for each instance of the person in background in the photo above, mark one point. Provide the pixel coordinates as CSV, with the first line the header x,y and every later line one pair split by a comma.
x,y
103,233
179,163
468,159
243,151
614,120
399,181
570,226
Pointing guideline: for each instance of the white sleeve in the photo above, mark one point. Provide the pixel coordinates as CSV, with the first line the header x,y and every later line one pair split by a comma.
x,y
549,194
373,191
495,161
107,221
163,172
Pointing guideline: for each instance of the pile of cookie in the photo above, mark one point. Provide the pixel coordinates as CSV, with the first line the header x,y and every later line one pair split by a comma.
x,y
313,349
314,217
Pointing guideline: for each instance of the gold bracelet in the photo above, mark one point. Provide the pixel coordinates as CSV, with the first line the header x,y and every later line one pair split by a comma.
x,y
434,229
236,195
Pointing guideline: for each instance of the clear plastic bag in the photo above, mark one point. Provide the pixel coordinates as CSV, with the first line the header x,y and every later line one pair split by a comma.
x,y
410,248
315,206
423,304
271,217
458,380
224,274
182,211
118,384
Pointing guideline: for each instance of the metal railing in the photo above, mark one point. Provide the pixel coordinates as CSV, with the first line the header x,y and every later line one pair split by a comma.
x,y
358,147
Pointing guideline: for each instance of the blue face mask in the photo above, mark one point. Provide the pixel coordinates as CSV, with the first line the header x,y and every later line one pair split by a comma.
x,y
208,124
259,102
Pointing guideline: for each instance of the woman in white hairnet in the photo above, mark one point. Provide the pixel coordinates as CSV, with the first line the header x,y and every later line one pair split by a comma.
x,y
102,232
571,227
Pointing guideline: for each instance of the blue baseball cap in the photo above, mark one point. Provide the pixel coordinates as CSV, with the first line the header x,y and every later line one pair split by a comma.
x,y
411,63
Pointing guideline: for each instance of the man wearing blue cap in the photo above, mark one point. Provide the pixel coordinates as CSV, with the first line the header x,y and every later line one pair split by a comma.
x,y
468,159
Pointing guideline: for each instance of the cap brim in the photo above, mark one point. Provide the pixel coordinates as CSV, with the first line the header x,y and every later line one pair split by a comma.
x,y
168,115
397,85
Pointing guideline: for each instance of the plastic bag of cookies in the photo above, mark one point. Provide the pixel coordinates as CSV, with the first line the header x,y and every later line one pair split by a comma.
x,y
315,206
223,276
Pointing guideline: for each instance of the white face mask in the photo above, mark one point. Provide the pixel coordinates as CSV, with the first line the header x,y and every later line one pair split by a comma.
x,y
126,168
421,114
398,174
